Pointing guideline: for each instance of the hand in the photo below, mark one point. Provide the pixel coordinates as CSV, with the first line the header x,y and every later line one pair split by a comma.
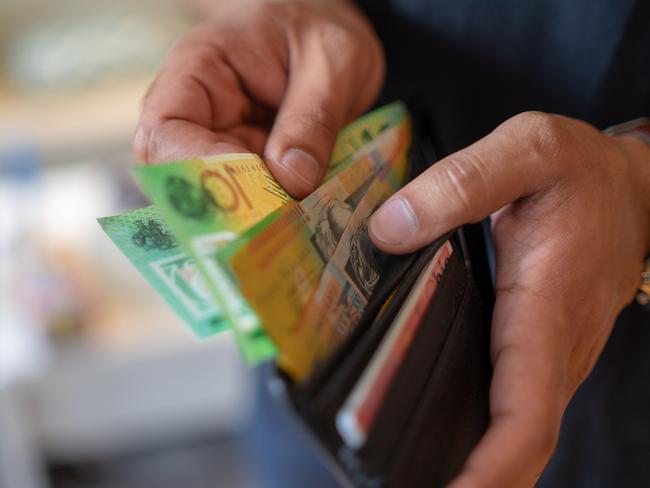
x,y
571,225
279,79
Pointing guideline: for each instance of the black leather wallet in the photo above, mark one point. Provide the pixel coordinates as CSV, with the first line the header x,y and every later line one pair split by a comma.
x,y
435,409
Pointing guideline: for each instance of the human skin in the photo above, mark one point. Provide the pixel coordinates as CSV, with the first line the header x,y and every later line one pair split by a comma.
x,y
277,78
571,224
570,206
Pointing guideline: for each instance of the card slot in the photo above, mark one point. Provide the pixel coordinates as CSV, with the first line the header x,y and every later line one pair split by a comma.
x,y
421,155
453,412
336,377
396,269
407,387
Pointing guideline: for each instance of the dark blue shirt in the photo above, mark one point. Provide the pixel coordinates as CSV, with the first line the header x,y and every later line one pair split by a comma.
x,y
471,64
475,63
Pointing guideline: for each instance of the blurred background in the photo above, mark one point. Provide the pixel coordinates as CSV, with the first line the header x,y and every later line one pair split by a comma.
x,y
101,385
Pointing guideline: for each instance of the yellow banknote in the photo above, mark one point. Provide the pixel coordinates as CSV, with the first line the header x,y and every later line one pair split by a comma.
x,y
349,278
278,268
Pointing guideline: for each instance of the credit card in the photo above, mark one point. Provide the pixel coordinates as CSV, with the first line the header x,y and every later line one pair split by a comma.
x,y
355,418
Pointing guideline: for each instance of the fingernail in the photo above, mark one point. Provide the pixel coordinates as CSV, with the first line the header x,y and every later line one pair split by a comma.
x,y
394,222
303,166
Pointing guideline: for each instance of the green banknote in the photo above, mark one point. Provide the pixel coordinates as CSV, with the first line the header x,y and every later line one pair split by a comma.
x,y
144,238
206,203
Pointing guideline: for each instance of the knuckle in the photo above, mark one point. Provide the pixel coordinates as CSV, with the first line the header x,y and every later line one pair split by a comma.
x,y
354,46
336,35
202,59
547,135
462,179
192,53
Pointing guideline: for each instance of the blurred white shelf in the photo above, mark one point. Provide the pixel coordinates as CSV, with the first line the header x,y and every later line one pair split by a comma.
x,y
93,404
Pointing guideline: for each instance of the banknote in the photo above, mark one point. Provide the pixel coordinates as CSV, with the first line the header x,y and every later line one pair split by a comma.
x,y
348,280
277,264
208,207
356,417
206,203
147,242
361,132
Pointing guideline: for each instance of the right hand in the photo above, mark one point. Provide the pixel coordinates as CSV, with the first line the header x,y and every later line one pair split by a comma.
x,y
280,79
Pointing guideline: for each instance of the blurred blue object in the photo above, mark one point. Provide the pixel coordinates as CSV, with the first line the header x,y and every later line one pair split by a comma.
x,y
19,161
280,451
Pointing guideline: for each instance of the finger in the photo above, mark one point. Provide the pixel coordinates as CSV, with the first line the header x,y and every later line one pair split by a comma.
x,y
209,86
514,161
318,102
178,139
527,396
178,117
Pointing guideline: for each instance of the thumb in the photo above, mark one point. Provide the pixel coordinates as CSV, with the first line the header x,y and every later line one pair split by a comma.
x,y
303,135
512,162
318,102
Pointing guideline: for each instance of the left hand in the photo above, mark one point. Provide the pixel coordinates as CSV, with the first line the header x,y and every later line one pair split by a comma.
x,y
571,225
